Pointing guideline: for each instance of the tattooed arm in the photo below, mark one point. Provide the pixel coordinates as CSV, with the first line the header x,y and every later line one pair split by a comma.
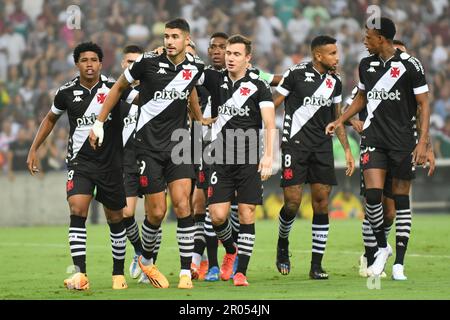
x,y
342,136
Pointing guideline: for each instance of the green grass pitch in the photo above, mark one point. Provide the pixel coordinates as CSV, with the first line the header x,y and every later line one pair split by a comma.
x,y
34,262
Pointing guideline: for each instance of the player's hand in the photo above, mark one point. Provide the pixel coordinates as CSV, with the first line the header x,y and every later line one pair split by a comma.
x,y
265,167
208,121
419,155
357,125
32,162
96,133
350,163
159,51
431,160
331,127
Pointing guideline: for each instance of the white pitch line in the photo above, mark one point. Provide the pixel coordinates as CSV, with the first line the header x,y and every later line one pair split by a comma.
x,y
66,246
415,255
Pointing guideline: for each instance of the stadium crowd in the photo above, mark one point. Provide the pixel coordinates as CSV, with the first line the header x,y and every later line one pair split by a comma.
x,y
36,43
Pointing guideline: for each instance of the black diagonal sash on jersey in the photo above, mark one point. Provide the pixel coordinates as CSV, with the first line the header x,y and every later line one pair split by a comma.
x,y
386,82
128,128
153,108
303,114
237,100
81,133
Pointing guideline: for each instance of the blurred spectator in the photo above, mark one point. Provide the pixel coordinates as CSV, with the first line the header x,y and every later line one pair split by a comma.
x,y
442,104
316,9
36,44
442,141
4,97
284,10
116,22
298,28
268,30
7,136
17,154
15,45
440,54
138,32
3,55
19,20
393,11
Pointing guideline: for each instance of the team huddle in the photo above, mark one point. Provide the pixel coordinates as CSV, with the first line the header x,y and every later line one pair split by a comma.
x,y
121,147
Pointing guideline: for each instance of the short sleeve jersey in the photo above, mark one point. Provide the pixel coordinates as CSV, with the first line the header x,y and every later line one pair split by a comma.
x,y
83,106
390,87
238,106
309,107
163,97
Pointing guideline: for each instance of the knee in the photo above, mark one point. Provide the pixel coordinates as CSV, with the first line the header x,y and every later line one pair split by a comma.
x,y
115,217
291,207
217,218
181,208
77,210
320,205
156,212
373,196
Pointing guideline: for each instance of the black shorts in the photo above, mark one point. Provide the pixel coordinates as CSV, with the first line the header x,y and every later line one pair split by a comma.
x,y
110,188
240,181
300,167
131,183
399,163
157,170
387,190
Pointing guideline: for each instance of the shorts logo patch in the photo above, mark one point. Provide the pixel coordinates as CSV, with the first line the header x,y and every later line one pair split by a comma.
x,y
210,191
201,177
69,185
288,174
365,158
143,181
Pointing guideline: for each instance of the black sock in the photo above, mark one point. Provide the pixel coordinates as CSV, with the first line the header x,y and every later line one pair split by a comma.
x,y
149,237
402,227
234,220
157,244
133,234
223,232
370,242
185,238
246,241
118,244
320,227
77,242
285,223
211,242
374,213
199,238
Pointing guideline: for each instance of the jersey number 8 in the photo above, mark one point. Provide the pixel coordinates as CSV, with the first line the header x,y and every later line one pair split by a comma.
x,y
287,160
